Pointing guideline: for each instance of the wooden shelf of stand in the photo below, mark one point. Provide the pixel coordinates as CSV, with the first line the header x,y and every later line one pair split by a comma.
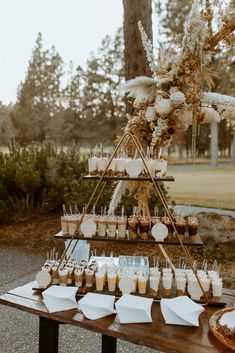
x,y
127,178
187,241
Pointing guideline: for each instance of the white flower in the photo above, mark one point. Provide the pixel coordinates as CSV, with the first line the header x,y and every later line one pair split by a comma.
x,y
158,130
163,107
211,115
150,114
177,98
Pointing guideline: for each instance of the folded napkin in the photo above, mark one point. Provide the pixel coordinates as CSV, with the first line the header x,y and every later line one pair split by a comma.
x,y
94,306
134,309
181,311
59,298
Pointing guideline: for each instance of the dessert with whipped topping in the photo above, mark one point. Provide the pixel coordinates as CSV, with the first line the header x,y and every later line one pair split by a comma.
x,y
78,275
166,220
133,227
144,224
180,226
89,276
63,276
192,227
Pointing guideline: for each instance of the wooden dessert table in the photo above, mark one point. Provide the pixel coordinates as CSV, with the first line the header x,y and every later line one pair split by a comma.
x,y
157,335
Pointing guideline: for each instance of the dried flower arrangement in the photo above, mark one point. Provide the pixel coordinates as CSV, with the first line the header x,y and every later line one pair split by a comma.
x,y
173,98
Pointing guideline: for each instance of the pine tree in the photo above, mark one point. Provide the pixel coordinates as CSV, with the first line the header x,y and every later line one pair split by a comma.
x,y
95,106
7,130
39,96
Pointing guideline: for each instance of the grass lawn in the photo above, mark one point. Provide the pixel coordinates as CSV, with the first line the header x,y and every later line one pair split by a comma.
x,y
201,185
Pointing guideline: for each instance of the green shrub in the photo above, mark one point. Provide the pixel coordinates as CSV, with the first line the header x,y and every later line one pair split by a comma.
x,y
40,178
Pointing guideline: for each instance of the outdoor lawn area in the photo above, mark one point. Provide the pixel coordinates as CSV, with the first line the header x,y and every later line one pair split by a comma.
x,y
201,185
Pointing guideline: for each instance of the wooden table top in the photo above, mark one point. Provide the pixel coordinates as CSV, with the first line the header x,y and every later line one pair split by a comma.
x,y
157,335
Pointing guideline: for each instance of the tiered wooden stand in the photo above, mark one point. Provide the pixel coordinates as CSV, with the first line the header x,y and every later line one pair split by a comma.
x,y
125,140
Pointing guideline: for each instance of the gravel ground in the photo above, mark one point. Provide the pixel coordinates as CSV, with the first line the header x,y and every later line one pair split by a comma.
x,y
19,330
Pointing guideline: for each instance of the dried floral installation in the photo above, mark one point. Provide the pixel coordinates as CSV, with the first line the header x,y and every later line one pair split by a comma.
x,y
173,98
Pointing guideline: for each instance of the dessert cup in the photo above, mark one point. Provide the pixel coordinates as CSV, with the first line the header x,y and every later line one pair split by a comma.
x,y
144,228
102,163
93,165
168,224
217,287
135,279
64,224
112,167
99,280
122,227
205,282
167,284
120,167
73,225
55,275
192,228
180,227
112,226
142,284
78,276
133,227
63,276
101,226
89,276
180,285
70,275
154,285
112,279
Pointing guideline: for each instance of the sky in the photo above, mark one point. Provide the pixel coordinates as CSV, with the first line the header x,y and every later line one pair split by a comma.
x,y
75,27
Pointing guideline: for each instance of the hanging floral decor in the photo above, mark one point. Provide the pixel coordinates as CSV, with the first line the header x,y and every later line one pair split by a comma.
x,y
173,98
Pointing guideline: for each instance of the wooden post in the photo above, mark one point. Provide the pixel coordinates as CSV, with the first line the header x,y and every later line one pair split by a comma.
x,y
233,150
214,144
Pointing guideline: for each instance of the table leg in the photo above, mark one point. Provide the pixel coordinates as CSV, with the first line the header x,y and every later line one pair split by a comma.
x,y
109,344
48,335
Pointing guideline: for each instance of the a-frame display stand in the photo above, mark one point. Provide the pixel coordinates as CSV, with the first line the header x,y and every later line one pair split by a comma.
x,y
126,139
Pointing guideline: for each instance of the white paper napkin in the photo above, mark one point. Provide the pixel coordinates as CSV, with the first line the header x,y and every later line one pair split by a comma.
x,y
181,311
94,306
134,309
59,298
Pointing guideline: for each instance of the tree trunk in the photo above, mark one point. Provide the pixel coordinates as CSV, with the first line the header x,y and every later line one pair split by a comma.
x,y
135,59
214,144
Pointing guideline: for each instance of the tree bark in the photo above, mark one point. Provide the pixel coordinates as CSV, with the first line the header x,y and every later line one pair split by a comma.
x,y
134,54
